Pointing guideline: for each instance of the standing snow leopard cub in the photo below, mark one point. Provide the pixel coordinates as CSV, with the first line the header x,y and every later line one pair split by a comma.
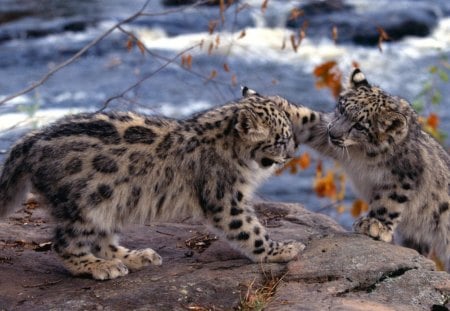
x,y
401,171
98,172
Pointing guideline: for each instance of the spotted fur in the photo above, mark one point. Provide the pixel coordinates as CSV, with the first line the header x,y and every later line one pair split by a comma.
x,y
98,172
400,170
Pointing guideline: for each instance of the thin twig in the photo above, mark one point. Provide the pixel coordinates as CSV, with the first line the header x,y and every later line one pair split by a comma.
x,y
74,57
77,55
121,95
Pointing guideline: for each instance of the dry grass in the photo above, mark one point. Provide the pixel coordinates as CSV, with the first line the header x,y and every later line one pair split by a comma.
x,y
257,297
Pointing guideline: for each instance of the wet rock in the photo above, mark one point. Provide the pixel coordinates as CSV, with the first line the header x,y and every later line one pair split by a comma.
x,y
398,20
314,8
337,270
188,2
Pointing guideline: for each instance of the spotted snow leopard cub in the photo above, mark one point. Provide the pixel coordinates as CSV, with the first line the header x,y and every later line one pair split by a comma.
x,y
98,172
400,170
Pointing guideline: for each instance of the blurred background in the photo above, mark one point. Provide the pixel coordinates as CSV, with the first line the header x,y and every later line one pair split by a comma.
x,y
177,57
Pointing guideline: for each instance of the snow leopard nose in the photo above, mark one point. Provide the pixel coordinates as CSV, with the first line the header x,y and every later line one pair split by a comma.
x,y
335,137
332,133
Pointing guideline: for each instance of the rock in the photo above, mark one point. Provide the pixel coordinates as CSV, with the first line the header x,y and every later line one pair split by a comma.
x,y
398,20
189,2
337,270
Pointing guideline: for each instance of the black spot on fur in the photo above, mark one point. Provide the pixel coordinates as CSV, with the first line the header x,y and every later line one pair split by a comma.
x,y
102,130
243,236
140,163
381,211
160,204
256,230
105,191
139,135
119,116
394,215
235,224
239,196
443,207
164,146
73,166
95,198
214,208
258,243
118,151
259,251
134,197
104,164
236,211
305,120
406,186
191,145
113,248
400,198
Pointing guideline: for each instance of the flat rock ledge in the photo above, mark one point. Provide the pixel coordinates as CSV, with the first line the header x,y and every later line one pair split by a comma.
x,y
337,270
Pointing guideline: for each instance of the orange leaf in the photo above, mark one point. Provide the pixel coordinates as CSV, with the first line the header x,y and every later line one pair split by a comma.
x,y
329,76
325,186
186,61
130,44
340,209
433,121
359,207
226,67
141,46
304,160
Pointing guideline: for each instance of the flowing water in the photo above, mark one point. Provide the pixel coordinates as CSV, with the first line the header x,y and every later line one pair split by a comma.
x,y
37,36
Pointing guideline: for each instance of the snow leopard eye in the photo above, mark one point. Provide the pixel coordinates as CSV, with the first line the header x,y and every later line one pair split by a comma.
x,y
358,127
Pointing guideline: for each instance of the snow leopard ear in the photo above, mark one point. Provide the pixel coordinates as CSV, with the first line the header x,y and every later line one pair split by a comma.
x,y
393,123
246,92
250,127
358,79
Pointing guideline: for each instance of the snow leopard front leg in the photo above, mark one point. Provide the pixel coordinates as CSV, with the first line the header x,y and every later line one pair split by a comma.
x,y
386,208
234,218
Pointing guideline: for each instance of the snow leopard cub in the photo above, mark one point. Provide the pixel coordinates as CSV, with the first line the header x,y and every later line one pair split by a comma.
x,y
400,170
98,172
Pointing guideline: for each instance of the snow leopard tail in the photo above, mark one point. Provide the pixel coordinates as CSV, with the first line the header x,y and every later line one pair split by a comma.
x,y
13,180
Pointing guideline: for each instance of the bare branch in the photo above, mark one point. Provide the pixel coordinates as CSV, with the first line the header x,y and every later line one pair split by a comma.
x,y
76,56
170,61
